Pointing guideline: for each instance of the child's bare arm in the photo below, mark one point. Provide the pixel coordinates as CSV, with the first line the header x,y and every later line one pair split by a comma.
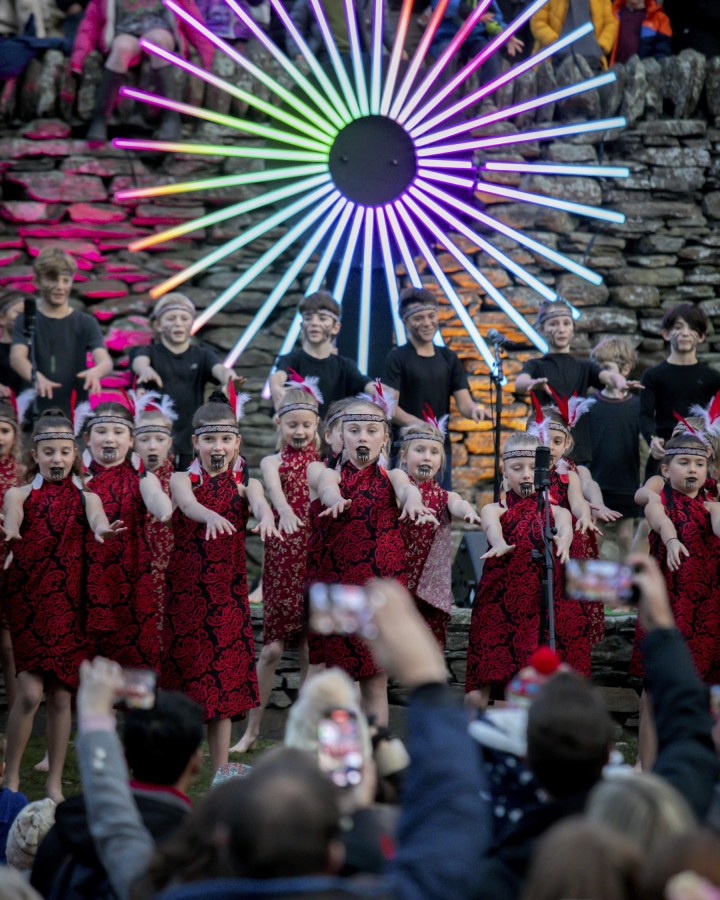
x,y
155,499
143,369
660,522
288,521
277,386
184,499
98,521
410,499
328,490
564,536
14,511
262,511
714,510
490,518
579,506
593,495
650,491
461,509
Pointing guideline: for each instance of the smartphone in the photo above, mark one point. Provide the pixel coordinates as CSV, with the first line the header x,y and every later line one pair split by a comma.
x,y
340,609
600,580
339,749
138,689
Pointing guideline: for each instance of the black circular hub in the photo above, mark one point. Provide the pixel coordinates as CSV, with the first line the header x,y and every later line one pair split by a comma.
x,y
372,161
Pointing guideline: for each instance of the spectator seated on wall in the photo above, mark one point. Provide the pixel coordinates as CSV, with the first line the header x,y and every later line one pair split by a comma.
x,y
558,18
644,31
27,27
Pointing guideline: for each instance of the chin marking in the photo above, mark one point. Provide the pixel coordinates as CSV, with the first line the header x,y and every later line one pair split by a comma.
x,y
217,462
109,454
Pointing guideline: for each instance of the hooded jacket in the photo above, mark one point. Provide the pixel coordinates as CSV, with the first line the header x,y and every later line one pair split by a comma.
x,y
655,35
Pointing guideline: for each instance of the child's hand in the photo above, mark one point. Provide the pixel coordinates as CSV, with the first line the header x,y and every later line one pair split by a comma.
x,y
498,550
116,527
472,518
514,45
537,384
266,528
9,535
149,375
602,512
44,386
635,386
585,524
336,509
91,380
289,522
563,548
216,526
676,550
427,518
414,510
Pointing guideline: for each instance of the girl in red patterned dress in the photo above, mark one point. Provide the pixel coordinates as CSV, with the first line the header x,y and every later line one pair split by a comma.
x,y
153,444
48,521
684,540
285,563
10,476
506,616
208,646
122,616
360,530
429,549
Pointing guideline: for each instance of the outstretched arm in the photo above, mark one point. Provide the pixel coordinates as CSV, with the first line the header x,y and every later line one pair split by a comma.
x,y
154,497
461,509
490,519
14,512
288,522
564,536
410,499
184,499
593,495
328,490
714,510
650,492
579,506
98,521
262,510
660,522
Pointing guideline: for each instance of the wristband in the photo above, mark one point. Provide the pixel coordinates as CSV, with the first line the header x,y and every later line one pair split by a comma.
x,y
670,540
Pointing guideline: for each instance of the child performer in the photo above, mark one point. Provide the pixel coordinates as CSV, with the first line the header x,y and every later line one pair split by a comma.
x,y
47,521
122,615
360,528
153,444
208,647
684,540
505,629
285,563
429,549
10,476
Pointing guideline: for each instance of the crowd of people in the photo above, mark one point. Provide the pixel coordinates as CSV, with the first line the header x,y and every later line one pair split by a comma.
x,y
621,29
124,520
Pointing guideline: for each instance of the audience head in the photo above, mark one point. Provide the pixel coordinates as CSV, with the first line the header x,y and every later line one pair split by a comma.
x,y
696,851
643,807
27,832
162,744
569,735
53,443
584,861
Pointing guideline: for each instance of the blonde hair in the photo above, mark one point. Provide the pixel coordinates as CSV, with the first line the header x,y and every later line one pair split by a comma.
x,y
614,349
152,417
357,406
291,396
420,429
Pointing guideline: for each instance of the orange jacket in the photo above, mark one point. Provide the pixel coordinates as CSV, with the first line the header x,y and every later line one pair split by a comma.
x,y
655,22
547,24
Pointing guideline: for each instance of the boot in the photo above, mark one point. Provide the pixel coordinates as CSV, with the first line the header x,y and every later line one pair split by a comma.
x,y
104,103
166,86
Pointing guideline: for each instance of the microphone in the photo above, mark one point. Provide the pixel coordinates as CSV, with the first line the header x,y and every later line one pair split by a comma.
x,y
542,468
499,340
29,316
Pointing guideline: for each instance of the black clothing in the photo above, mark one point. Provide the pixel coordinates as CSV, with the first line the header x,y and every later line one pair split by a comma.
x,y
184,377
567,374
615,446
8,376
338,376
67,867
670,388
61,349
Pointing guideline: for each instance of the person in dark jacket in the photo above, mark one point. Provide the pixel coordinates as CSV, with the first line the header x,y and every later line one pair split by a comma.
x,y
163,752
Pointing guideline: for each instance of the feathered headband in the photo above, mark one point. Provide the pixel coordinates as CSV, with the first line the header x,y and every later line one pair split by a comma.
x,y
386,404
155,403
20,404
429,417
710,415
572,408
237,405
84,416
689,428
309,385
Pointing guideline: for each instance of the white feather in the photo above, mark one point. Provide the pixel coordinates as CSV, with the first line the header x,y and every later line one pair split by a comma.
x,y
711,427
83,411
577,407
311,384
167,408
141,402
240,402
24,401
442,424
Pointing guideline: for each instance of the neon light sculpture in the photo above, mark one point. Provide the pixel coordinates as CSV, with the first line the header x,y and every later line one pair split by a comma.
x,y
369,159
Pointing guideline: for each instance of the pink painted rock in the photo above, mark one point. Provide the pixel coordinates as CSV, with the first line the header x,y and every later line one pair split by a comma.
x,y
45,129
79,232
173,265
55,187
155,214
103,290
10,242
97,215
120,339
85,249
30,211
142,287
119,381
16,273
8,257
117,306
18,148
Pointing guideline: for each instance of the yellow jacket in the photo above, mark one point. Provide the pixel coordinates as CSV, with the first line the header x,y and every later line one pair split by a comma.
x,y
547,23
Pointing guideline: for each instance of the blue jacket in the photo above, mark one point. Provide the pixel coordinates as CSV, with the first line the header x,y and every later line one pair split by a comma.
x,y
11,802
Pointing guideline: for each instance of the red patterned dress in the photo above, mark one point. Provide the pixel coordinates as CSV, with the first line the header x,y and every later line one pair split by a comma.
x,y
122,617
45,583
584,546
694,589
505,624
159,537
9,477
363,543
209,651
429,560
285,565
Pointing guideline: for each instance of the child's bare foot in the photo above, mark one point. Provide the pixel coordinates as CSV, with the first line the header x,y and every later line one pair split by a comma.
x,y
43,765
256,595
245,744
54,793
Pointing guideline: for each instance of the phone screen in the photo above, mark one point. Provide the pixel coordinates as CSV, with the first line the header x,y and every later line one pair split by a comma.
x,y
600,580
340,609
339,750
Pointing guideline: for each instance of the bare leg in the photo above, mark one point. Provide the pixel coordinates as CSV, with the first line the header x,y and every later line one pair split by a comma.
x,y
43,765
304,660
256,595
7,662
373,691
58,737
219,733
19,725
268,662
647,736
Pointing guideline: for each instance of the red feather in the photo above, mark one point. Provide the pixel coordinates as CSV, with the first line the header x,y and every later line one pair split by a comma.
x,y
685,422
12,399
294,376
714,408
539,414
128,402
73,404
562,404
232,396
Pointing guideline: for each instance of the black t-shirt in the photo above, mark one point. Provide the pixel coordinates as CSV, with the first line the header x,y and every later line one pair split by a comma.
x,y
8,376
424,379
670,388
61,349
567,375
615,441
184,378
338,376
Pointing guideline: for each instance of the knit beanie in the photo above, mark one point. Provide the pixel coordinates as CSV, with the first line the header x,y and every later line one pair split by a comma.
x,y
27,832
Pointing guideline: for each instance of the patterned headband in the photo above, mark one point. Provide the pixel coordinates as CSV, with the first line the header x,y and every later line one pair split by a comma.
x,y
687,451
149,429
556,426
10,421
364,417
172,307
53,436
334,417
293,406
109,420
420,436
513,454
416,308
217,429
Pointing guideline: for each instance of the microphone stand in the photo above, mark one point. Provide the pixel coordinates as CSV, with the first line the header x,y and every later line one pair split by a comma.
x,y
497,378
30,331
547,598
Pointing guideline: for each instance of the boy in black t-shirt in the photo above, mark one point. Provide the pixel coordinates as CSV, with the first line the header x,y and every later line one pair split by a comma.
x,y
338,376
420,373
179,367
563,372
